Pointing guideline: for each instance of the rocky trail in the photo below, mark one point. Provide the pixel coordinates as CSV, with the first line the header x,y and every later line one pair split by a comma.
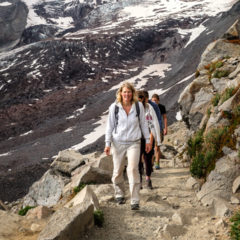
x,y
169,211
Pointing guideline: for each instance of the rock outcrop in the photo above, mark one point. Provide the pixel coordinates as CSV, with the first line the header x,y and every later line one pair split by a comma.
x,y
211,107
13,19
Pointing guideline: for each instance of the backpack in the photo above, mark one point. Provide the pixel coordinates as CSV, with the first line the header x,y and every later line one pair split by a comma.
x,y
116,114
158,113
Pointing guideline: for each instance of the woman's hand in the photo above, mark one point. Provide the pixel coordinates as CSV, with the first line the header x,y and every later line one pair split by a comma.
x,y
148,147
107,150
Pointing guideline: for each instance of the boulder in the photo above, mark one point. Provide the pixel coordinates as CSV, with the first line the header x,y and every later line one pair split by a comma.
x,y
91,174
234,74
220,208
172,231
235,200
217,50
39,212
219,84
168,151
13,19
85,195
220,180
104,162
46,192
188,95
104,192
10,225
69,223
192,183
233,31
67,161
202,100
236,185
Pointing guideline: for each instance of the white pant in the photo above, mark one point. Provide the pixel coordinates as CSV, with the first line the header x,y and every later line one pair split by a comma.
x,y
119,152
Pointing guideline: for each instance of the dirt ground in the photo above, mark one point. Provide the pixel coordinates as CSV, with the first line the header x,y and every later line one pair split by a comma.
x,y
169,211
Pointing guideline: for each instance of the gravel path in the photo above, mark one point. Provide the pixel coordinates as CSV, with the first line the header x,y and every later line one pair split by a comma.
x,y
169,211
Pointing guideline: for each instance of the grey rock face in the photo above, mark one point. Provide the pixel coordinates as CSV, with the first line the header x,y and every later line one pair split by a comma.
x,y
68,223
67,161
85,195
218,49
46,192
13,19
220,180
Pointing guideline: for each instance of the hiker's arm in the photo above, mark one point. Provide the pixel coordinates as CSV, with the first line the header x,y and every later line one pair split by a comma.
x,y
110,126
156,126
143,123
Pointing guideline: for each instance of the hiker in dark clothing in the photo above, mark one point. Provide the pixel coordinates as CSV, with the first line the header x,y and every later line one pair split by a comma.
x,y
125,127
156,99
154,129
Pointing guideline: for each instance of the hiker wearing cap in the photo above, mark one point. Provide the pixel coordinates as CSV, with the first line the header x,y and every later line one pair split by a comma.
x,y
125,126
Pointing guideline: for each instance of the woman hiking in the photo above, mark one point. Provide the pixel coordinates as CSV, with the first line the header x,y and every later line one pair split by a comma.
x,y
125,126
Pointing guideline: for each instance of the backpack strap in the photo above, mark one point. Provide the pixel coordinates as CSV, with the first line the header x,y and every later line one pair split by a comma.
x,y
138,113
116,110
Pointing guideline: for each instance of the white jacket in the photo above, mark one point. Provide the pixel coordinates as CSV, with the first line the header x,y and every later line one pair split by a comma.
x,y
128,128
153,123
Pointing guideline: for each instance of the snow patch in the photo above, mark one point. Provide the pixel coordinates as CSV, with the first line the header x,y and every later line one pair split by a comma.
x,y
94,135
26,133
142,78
4,4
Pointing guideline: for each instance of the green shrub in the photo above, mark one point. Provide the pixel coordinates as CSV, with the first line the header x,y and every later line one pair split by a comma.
x,y
235,227
219,64
195,144
215,139
209,162
216,99
98,218
205,150
79,188
209,112
220,74
23,211
197,166
227,94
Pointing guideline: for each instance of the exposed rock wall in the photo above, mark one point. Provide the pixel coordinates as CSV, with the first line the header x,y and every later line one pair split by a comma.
x,y
13,19
211,103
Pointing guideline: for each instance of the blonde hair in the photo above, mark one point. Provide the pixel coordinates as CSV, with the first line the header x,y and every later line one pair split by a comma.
x,y
128,86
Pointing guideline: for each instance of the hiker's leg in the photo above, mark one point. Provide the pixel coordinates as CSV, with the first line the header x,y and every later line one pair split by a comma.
x,y
140,165
148,163
133,154
157,156
118,153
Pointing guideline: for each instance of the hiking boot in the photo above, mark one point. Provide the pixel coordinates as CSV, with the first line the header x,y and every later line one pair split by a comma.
x,y
135,206
149,184
120,200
